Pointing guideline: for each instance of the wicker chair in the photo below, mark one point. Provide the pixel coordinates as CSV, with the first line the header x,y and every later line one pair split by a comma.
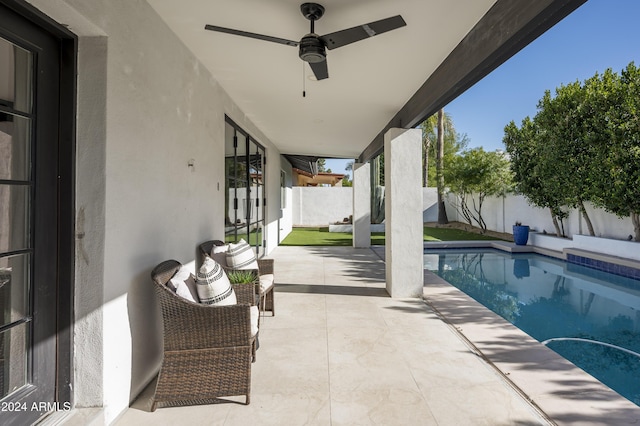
x,y
265,266
207,349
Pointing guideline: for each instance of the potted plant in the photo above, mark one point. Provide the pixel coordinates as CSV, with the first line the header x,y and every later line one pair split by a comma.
x,y
520,234
244,282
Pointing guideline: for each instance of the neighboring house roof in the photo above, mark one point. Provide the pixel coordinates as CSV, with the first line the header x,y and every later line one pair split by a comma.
x,y
321,178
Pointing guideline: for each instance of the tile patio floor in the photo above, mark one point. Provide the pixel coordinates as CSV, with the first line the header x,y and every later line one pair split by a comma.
x,y
340,351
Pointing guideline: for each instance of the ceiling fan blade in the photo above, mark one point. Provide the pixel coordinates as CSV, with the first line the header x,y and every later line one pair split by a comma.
x,y
320,69
251,35
361,32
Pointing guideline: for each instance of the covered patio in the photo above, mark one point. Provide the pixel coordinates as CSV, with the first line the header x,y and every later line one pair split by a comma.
x,y
340,351
162,135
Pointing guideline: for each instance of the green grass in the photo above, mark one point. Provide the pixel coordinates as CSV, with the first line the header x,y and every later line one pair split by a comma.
x,y
322,236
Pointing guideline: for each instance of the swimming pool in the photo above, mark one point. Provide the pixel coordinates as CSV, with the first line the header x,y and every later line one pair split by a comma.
x,y
591,318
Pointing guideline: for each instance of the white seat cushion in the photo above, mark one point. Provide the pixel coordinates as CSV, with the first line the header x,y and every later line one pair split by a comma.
x,y
255,315
266,282
213,284
184,284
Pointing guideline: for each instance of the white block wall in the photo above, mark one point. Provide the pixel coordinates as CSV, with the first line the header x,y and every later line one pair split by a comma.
x,y
319,206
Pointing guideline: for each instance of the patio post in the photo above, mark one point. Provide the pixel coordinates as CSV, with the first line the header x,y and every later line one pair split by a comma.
x,y
403,212
361,205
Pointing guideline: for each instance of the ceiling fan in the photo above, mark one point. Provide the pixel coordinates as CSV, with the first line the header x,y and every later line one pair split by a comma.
x,y
312,46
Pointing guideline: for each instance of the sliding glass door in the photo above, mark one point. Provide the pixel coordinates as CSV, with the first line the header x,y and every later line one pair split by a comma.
x,y
244,184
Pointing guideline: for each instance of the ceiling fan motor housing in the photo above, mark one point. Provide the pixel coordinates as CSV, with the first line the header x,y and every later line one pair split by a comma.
x,y
312,49
312,11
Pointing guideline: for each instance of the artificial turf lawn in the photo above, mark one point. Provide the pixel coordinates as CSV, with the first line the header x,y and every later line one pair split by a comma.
x,y
322,236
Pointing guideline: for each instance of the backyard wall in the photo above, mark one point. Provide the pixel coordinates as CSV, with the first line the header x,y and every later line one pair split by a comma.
x,y
501,213
318,206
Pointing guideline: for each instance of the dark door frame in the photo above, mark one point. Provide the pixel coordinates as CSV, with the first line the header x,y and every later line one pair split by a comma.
x,y
261,201
16,16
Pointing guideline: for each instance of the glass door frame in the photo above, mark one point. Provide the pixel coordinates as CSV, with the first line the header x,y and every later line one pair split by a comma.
x,y
245,162
52,240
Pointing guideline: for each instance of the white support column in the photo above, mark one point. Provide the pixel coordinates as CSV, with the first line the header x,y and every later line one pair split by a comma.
x,y
361,205
403,212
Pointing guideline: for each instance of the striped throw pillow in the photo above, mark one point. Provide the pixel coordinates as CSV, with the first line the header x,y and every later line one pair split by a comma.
x,y
213,284
241,256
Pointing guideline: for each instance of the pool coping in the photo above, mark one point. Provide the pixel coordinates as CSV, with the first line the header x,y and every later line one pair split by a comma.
x,y
553,385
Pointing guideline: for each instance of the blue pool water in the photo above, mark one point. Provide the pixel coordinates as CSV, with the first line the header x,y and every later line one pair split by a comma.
x,y
551,299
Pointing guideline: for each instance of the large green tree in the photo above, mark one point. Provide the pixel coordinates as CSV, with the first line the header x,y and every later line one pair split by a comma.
x,y
552,155
524,148
567,149
583,145
474,175
616,98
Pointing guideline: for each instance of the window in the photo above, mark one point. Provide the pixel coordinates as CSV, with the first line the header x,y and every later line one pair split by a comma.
x,y
283,190
245,198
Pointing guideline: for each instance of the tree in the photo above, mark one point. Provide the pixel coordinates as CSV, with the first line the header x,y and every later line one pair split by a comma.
x,y
346,181
442,211
523,147
567,150
453,144
617,100
322,165
428,137
475,175
583,145
551,155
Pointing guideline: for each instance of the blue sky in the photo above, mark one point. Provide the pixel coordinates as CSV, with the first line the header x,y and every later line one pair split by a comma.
x,y
600,34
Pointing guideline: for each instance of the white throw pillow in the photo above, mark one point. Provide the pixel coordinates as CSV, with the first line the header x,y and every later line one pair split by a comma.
x,y
219,254
213,284
184,284
241,256
254,314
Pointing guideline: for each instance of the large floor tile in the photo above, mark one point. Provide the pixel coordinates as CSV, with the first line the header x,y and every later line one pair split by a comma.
x,y
491,404
387,406
340,351
292,360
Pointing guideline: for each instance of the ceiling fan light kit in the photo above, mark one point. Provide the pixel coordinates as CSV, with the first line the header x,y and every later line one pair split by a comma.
x,y
312,47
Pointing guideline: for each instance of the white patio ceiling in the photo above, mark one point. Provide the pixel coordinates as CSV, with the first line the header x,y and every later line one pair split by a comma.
x,y
369,81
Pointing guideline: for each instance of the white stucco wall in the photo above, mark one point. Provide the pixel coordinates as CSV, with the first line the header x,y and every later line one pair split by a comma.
x,y
285,223
501,213
146,107
319,206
